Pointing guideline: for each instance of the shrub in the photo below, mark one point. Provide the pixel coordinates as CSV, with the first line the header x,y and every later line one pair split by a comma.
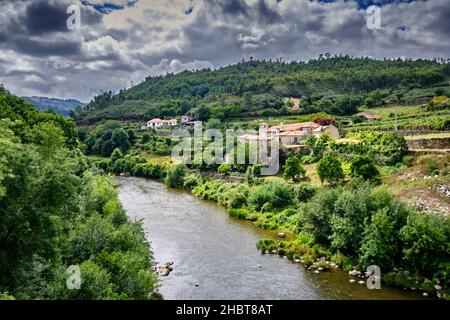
x,y
293,169
116,155
146,138
351,209
235,197
224,168
380,243
175,176
318,214
306,238
243,214
363,166
267,245
274,194
330,169
191,181
432,166
408,161
304,192
426,243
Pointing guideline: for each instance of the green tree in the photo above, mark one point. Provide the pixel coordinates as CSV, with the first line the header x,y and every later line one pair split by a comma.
x,y
271,195
175,176
329,169
293,169
363,166
116,155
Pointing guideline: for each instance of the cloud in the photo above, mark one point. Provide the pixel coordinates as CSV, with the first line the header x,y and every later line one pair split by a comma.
x,y
176,66
125,40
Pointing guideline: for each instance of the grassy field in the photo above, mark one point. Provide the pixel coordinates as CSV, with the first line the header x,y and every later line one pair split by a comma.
x,y
385,112
429,136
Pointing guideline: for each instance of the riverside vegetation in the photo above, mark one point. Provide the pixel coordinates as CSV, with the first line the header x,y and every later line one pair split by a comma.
x,y
331,201
351,219
56,211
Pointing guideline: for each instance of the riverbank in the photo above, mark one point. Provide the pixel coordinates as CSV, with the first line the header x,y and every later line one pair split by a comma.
x,y
299,243
351,223
215,255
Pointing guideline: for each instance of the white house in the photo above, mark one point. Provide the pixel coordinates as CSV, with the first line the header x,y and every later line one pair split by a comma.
x,y
159,123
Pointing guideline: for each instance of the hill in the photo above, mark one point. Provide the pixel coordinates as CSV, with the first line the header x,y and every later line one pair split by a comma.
x,y
59,106
336,85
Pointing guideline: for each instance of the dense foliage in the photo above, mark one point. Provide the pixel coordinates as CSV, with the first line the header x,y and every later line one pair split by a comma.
x,y
56,212
336,85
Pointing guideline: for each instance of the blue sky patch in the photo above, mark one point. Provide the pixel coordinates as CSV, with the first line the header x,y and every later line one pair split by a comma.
x,y
108,6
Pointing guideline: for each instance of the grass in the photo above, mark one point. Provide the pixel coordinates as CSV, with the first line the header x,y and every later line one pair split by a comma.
x,y
154,160
442,135
310,176
385,112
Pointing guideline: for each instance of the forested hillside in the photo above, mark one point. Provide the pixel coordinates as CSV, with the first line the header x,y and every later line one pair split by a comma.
x,y
252,88
58,106
57,211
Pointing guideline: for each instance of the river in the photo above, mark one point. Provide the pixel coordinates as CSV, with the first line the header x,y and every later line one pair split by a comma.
x,y
215,256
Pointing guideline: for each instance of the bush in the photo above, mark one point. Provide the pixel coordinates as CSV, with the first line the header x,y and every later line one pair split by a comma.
x,y
318,214
272,195
363,166
235,197
408,161
293,169
224,168
175,176
426,243
267,245
330,169
304,192
244,214
191,181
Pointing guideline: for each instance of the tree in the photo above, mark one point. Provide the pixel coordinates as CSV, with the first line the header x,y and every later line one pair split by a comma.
x,y
116,155
271,195
293,169
175,176
146,138
363,166
330,169
120,139
213,124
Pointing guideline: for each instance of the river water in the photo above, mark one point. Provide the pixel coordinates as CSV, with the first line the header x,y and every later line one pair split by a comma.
x,y
215,256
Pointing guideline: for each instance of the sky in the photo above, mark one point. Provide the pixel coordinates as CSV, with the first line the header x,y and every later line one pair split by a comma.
x,y
120,42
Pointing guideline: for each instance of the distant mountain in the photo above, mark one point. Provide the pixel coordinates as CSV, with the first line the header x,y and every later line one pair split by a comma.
x,y
59,106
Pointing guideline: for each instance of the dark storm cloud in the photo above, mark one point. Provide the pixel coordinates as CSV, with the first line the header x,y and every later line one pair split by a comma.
x,y
39,48
267,14
43,17
154,37
233,7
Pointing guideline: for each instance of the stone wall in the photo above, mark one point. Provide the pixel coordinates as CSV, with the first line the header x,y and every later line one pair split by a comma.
x,y
434,143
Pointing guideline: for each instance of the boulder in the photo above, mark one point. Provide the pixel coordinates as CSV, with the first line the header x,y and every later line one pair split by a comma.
x,y
353,273
352,280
